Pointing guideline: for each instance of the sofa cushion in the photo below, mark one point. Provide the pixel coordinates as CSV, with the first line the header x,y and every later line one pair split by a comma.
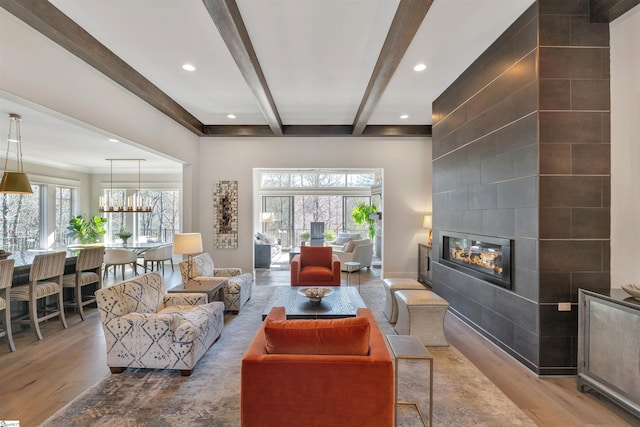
x,y
351,244
348,336
345,237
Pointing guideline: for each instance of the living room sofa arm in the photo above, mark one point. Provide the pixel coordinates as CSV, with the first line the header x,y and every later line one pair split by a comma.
x,y
184,299
294,268
227,272
335,267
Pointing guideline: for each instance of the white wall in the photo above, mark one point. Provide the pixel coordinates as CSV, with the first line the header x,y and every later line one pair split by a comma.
x,y
407,187
37,70
625,148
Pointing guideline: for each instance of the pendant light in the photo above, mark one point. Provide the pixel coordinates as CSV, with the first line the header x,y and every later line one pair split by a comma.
x,y
15,182
130,204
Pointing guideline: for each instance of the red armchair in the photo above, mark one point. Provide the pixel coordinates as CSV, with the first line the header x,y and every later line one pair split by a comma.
x,y
297,388
315,266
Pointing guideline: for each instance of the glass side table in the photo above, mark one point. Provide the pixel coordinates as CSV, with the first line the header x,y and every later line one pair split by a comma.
x,y
410,347
353,267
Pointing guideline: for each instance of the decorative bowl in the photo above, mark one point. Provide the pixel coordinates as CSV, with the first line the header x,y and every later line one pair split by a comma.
x,y
314,294
633,290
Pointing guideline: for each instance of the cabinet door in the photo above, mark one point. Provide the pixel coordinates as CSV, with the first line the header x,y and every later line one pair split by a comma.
x,y
613,346
424,264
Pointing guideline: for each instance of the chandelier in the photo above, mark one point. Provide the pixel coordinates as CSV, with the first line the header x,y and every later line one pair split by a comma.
x,y
112,203
15,182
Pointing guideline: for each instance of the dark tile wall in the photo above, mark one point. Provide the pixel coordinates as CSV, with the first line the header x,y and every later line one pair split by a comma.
x,y
575,166
485,182
521,150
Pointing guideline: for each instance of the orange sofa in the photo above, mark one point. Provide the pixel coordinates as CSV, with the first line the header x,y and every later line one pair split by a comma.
x,y
315,266
285,382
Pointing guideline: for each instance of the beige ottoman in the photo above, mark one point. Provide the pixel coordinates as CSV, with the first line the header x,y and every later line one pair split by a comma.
x,y
421,313
391,286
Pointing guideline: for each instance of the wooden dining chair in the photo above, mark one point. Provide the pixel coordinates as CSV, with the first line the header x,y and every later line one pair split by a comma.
x,y
88,266
45,279
6,277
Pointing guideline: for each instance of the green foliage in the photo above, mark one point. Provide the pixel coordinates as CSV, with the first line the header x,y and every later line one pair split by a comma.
x,y
329,235
305,236
360,215
124,234
87,231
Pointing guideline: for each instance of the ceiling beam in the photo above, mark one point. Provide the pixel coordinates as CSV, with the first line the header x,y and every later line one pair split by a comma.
x,y
404,26
51,22
316,131
226,16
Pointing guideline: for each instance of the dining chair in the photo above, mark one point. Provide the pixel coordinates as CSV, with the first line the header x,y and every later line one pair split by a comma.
x,y
6,277
119,257
88,266
45,279
158,256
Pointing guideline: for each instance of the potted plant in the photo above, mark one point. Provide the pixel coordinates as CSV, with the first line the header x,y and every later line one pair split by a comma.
x,y
124,234
360,215
329,235
87,231
304,236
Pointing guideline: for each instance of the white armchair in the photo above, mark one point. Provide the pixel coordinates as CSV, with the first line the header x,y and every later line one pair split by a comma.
x,y
146,328
238,286
361,252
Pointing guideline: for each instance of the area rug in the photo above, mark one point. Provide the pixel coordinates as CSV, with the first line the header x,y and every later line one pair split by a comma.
x,y
463,396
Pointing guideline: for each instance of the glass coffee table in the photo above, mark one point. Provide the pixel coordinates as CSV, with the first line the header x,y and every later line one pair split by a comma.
x,y
342,302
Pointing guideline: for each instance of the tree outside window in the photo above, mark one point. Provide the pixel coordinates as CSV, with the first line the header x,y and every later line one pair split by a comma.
x,y
20,220
63,215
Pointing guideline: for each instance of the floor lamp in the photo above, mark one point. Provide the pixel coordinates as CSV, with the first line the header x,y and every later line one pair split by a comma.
x,y
187,244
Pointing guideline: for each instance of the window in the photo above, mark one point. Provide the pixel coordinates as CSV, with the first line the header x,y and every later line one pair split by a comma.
x,y
158,225
63,215
21,220
299,197
164,220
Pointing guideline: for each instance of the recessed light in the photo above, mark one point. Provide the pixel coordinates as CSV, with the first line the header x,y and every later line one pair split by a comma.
x,y
231,116
404,116
113,140
420,67
188,67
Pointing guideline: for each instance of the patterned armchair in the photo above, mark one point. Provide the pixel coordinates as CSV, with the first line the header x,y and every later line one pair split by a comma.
x,y
238,286
146,328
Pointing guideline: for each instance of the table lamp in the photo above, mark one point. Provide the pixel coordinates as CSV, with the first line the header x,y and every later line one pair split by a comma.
x,y
187,244
426,223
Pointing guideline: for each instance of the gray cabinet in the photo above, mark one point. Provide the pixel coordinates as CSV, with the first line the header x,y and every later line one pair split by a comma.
x,y
609,347
424,264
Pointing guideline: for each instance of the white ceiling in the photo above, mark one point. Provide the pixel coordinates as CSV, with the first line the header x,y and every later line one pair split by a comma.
x,y
317,57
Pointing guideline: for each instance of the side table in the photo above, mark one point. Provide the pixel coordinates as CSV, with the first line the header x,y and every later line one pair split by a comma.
x,y
410,347
213,289
351,268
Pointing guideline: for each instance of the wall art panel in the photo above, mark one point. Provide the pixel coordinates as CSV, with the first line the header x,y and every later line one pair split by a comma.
x,y
225,212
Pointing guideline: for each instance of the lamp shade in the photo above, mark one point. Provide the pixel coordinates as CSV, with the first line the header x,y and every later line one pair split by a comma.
x,y
267,217
187,243
15,183
426,221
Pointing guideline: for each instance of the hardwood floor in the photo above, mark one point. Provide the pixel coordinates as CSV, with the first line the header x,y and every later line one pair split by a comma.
x,y
43,376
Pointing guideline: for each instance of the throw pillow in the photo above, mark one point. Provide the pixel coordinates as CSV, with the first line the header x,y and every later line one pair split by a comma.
x,y
348,336
348,247
341,240
360,242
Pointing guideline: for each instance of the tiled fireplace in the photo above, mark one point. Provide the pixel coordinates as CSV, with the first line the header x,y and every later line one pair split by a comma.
x,y
521,150
487,258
